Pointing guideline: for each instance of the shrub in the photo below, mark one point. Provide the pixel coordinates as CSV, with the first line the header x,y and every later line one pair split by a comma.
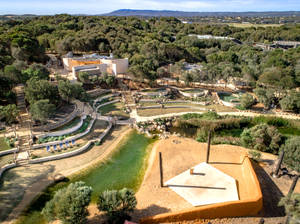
x,y
117,204
291,205
247,101
69,204
262,137
255,155
292,153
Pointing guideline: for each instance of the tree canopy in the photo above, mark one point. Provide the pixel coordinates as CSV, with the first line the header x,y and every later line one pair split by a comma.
x,y
69,204
292,153
117,204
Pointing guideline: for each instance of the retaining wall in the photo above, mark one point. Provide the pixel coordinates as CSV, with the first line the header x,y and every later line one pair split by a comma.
x,y
155,93
64,132
9,151
37,146
75,152
6,167
110,102
244,207
70,117
105,97
194,94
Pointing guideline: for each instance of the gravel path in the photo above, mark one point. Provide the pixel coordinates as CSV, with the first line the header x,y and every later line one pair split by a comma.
x,y
139,118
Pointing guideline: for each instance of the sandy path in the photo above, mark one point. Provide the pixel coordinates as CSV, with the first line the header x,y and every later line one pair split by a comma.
x,y
139,118
68,167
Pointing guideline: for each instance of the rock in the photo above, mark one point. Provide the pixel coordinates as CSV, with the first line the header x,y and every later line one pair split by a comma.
x,y
59,177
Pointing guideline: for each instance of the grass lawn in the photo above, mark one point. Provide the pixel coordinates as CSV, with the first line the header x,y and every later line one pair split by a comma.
x,y
6,159
221,108
3,145
159,111
115,109
71,124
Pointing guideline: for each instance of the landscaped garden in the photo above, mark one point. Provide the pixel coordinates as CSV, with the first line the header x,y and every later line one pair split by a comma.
x,y
233,129
82,129
4,144
125,168
114,109
6,159
68,125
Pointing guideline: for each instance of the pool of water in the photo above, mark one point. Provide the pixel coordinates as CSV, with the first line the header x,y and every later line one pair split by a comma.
x,y
125,168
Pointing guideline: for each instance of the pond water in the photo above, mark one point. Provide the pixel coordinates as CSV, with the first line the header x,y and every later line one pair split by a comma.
x,y
125,168
186,132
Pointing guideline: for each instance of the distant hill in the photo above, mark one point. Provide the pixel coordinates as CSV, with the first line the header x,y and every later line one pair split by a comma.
x,y
167,13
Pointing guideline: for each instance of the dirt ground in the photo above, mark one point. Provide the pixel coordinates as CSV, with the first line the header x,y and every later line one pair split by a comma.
x,y
180,154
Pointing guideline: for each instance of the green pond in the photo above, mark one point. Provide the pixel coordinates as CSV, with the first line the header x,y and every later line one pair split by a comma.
x,y
125,168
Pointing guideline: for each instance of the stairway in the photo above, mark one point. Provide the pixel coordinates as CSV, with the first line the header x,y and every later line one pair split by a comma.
x,y
24,127
126,93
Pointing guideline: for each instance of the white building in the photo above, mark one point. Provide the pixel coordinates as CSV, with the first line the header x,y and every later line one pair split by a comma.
x,y
95,63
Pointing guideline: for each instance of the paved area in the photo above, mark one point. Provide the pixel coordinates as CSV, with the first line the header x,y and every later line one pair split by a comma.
x,y
203,184
22,156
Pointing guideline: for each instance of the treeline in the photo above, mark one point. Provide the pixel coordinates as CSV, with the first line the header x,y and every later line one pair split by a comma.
x,y
150,44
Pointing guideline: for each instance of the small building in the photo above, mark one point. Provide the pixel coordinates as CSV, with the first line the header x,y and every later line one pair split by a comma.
x,y
93,70
113,66
286,44
192,67
208,36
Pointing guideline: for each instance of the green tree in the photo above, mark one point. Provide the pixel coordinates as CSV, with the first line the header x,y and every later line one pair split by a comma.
x,y
292,153
247,100
265,96
37,71
117,204
41,89
262,137
12,73
9,112
291,205
291,102
41,110
69,91
69,204
83,77
108,79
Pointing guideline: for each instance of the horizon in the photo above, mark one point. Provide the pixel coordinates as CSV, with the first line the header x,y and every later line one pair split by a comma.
x,y
95,7
163,10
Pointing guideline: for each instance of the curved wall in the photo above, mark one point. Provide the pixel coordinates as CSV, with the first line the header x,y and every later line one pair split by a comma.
x,y
247,206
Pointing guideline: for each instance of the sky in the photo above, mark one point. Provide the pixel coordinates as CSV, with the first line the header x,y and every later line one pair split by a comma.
x,y
47,7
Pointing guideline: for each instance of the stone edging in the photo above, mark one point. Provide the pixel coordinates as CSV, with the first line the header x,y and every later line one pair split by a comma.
x,y
71,116
6,167
110,102
9,151
72,153
66,139
64,132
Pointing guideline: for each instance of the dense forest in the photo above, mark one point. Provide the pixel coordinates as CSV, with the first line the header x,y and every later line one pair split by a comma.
x,y
150,44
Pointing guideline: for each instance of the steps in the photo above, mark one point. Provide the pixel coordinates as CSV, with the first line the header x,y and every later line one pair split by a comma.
x,y
24,128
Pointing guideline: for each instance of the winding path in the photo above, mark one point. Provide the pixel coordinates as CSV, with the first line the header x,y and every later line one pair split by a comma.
x,y
139,118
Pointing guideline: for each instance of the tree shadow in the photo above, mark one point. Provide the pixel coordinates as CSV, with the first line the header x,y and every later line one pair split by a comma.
x,y
13,187
271,194
149,211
